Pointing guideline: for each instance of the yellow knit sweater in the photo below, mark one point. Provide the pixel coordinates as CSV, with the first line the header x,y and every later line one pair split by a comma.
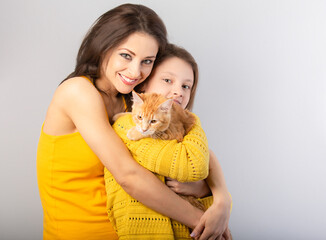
x,y
184,161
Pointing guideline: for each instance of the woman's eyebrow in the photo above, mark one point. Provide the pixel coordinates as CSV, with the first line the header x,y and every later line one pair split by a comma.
x,y
134,54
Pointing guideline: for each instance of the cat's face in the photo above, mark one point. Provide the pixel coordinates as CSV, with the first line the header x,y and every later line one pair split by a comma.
x,y
151,113
173,79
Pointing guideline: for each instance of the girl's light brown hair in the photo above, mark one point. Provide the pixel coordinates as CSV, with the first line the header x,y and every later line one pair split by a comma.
x,y
170,51
110,30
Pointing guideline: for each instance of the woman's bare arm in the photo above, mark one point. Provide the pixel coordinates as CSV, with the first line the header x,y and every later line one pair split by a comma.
x,y
84,106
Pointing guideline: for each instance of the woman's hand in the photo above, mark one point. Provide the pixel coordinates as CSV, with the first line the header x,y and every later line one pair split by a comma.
x,y
214,223
197,189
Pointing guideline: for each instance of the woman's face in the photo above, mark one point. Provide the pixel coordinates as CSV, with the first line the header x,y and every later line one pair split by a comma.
x,y
130,63
174,79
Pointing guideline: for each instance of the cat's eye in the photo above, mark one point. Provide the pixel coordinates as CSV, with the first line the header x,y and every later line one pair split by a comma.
x,y
139,117
153,121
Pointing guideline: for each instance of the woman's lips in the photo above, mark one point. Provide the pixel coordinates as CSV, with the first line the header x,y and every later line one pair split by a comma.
x,y
126,80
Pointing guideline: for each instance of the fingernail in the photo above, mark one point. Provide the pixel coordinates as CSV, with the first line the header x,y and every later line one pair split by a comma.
x,y
193,234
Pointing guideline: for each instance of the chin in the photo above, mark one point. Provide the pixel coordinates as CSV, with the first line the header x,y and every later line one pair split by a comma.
x,y
125,90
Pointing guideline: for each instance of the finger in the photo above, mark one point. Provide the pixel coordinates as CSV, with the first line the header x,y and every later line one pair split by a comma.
x,y
227,234
197,230
172,182
213,237
220,237
206,234
169,183
211,234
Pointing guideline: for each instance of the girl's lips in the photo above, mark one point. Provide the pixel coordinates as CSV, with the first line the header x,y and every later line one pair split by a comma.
x,y
127,80
177,101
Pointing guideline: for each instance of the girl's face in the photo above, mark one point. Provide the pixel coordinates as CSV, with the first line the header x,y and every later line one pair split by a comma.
x,y
174,79
129,63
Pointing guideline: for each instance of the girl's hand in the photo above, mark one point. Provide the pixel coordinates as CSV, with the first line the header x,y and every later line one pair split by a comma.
x,y
197,189
214,223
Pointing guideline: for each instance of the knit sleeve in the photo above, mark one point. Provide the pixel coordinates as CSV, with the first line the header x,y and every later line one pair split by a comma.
x,y
184,161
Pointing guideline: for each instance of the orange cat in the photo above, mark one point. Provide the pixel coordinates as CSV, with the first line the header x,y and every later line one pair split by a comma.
x,y
158,117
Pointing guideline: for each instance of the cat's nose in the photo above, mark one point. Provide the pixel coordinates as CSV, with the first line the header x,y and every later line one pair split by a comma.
x,y
144,129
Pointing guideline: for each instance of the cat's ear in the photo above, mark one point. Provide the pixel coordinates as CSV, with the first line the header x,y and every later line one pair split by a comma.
x,y
136,98
166,106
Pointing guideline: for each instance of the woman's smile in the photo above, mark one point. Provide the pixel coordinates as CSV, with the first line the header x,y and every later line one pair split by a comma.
x,y
127,80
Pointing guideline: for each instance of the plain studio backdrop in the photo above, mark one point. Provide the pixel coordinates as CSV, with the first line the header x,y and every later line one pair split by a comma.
x,y
261,99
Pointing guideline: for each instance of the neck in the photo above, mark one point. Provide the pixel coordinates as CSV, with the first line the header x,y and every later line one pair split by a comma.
x,y
106,87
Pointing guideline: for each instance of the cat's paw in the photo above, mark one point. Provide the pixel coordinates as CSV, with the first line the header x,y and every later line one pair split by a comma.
x,y
133,134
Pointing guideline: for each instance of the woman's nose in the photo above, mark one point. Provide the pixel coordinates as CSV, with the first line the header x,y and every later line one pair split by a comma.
x,y
134,70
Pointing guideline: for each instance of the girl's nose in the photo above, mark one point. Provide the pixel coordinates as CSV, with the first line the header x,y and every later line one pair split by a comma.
x,y
177,92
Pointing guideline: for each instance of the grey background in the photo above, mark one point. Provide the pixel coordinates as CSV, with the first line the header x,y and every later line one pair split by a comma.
x,y
261,98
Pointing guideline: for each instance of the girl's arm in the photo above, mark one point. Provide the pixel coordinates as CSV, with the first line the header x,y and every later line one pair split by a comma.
x,y
82,103
198,189
217,215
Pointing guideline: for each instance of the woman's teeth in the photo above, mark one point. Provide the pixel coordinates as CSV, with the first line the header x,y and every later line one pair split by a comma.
x,y
128,79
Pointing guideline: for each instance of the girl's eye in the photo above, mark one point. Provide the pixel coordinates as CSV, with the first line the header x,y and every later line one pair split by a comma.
x,y
186,87
139,117
148,61
167,80
153,121
125,55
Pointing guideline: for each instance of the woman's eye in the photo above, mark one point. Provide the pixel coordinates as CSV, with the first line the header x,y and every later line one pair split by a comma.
x,y
125,55
148,61
139,117
167,80
153,121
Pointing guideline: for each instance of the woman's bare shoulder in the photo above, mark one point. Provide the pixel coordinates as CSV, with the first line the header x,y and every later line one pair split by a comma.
x,y
76,86
72,94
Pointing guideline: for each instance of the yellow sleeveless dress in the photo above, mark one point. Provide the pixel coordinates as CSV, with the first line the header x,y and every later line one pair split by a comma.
x,y
72,189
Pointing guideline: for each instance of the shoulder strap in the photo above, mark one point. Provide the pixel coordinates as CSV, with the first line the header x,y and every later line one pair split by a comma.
x,y
87,79
125,103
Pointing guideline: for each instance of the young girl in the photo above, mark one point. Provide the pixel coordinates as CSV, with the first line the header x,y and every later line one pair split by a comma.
x,y
175,76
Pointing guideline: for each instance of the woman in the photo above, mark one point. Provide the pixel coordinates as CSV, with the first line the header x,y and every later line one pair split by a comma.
x,y
174,76
117,54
